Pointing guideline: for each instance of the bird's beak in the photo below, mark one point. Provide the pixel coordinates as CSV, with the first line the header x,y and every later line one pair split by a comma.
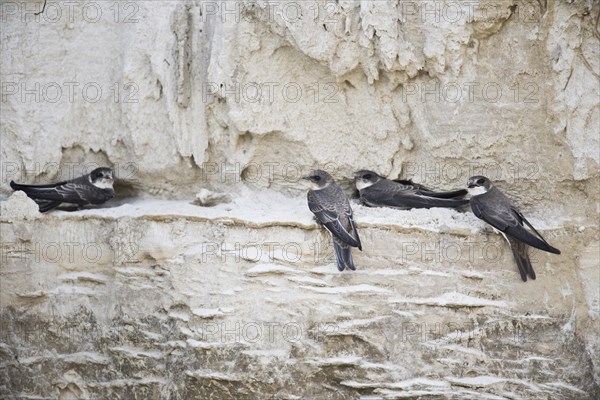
x,y
471,185
306,178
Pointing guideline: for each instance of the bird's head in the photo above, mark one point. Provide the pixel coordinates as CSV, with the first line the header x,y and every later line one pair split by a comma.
x,y
102,178
478,185
319,179
363,179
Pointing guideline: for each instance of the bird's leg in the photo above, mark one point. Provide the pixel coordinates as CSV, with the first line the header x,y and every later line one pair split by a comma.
x,y
486,231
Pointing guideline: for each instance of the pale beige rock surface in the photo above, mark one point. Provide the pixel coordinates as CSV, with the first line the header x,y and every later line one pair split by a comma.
x,y
154,297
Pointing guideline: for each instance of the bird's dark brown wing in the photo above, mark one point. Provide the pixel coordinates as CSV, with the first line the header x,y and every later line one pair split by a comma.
x,y
327,214
551,249
504,218
393,194
66,192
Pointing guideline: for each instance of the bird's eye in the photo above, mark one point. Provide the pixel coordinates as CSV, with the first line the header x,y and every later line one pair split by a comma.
x,y
317,178
480,181
367,176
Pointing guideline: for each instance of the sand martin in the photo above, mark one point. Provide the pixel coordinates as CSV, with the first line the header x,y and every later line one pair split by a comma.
x,y
93,188
377,191
332,210
491,205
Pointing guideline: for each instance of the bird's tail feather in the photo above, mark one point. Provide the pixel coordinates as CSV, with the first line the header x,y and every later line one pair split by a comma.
x,y
33,192
343,256
520,253
18,186
26,188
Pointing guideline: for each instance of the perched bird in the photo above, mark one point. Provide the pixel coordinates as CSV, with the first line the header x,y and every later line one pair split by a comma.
x,y
377,191
332,210
93,188
491,205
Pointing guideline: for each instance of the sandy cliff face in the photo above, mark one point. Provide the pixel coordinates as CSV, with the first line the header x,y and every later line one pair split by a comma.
x,y
243,98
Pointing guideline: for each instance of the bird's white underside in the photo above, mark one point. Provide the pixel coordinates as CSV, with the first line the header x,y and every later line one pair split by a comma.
x,y
360,184
103,184
315,186
477,190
